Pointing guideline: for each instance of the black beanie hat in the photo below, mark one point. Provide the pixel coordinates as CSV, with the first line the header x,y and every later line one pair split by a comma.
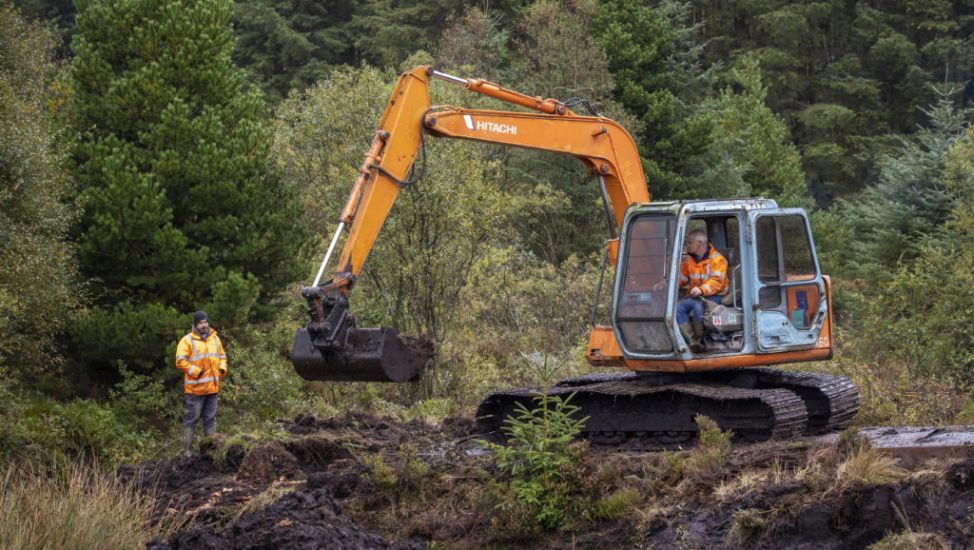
x,y
199,316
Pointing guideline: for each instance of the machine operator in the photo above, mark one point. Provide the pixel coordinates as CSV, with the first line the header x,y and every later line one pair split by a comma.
x,y
703,276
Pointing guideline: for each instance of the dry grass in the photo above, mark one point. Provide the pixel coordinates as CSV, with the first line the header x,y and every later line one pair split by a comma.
x,y
864,464
73,507
265,498
911,541
745,482
749,525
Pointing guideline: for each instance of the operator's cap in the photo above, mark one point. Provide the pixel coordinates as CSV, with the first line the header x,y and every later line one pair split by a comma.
x,y
199,316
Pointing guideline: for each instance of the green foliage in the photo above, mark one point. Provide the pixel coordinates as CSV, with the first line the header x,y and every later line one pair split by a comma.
x,y
261,384
181,206
871,65
655,61
385,33
925,301
477,44
751,153
143,399
616,506
290,45
400,478
38,292
704,464
42,429
540,459
911,180
127,333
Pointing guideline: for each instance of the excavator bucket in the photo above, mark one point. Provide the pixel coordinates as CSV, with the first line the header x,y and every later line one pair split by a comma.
x,y
363,355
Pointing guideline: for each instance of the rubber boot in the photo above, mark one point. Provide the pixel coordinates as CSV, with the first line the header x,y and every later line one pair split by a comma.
x,y
188,434
691,336
698,337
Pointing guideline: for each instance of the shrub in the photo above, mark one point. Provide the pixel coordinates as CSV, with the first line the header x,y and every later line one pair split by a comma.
x,y
261,384
144,400
540,458
616,506
40,428
704,464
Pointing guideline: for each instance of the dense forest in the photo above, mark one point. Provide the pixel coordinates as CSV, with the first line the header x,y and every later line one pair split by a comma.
x,y
163,156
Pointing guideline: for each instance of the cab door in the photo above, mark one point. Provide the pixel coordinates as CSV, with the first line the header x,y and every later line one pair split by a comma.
x,y
790,302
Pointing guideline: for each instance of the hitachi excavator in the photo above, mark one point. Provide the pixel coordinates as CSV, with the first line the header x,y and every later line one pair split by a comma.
x,y
777,309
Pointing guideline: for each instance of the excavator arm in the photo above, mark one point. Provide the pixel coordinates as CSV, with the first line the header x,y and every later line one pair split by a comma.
x,y
331,347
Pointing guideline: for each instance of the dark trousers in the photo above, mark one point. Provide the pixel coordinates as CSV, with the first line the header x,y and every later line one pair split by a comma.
x,y
201,405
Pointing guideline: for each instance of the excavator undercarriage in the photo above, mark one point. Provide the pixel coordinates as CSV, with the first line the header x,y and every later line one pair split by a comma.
x,y
657,410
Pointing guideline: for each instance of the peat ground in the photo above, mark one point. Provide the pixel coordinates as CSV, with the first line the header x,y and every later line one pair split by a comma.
x,y
368,482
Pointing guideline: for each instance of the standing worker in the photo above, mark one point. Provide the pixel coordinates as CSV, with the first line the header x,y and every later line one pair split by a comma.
x,y
201,357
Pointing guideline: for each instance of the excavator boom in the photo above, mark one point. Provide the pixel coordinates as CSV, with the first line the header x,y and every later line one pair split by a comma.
x,y
331,347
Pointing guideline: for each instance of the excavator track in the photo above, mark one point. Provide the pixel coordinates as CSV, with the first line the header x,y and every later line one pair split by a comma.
x,y
832,400
658,410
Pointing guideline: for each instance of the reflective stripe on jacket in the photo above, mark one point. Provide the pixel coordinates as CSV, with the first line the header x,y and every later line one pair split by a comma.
x,y
709,274
203,363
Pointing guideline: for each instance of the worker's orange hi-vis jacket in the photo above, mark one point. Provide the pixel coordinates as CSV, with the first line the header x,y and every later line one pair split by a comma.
x,y
709,274
203,363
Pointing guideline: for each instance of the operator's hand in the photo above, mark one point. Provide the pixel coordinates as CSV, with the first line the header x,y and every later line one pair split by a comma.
x,y
695,291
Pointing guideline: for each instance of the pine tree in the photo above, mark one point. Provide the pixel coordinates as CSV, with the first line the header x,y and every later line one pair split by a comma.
x,y
182,207
289,45
659,77
750,153
893,219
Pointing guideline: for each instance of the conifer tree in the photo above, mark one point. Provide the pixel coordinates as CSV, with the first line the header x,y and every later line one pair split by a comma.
x,y
182,208
893,219
750,153
659,78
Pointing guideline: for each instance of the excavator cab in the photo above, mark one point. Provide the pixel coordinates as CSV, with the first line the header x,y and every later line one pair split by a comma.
x,y
776,299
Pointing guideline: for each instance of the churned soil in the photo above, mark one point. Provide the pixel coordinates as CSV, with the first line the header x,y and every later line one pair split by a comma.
x,y
278,494
362,481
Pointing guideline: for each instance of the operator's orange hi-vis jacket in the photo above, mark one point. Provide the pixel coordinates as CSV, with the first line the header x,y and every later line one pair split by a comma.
x,y
203,363
709,274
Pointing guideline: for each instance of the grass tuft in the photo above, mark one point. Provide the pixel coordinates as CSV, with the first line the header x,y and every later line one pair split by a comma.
x,y
265,498
911,541
74,507
749,524
865,465
704,465
616,506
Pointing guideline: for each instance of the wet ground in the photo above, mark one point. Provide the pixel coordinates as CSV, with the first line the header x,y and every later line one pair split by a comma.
x,y
367,482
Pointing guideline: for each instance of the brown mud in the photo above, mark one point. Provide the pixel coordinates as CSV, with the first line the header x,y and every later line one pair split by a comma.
x,y
366,482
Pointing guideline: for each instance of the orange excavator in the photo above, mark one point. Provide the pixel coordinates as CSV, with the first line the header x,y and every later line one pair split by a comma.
x,y
777,308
